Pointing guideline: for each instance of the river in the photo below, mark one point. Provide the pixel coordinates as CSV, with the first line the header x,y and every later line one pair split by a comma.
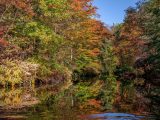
x,y
35,103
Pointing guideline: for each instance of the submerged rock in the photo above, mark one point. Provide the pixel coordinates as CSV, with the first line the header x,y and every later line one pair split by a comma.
x,y
115,116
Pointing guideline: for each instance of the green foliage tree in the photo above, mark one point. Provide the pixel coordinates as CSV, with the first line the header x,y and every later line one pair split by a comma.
x,y
149,17
109,63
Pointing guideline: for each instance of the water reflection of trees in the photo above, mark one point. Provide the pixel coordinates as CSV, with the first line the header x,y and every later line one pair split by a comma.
x,y
17,97
11,97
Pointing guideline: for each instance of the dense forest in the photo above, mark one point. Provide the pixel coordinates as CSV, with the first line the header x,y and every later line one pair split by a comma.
x,y
62,43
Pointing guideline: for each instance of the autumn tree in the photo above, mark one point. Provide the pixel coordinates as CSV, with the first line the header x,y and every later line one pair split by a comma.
x,y
128,40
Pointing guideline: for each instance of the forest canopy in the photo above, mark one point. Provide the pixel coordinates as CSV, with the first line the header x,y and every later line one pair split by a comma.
x,y
62,40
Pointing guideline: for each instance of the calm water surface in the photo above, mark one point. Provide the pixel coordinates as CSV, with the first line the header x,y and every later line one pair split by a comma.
x,y
21,98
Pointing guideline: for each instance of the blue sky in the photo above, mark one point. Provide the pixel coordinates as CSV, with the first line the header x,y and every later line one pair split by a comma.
x,y
112,11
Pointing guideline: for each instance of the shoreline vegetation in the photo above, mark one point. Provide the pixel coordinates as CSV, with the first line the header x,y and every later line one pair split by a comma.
x,y
55,53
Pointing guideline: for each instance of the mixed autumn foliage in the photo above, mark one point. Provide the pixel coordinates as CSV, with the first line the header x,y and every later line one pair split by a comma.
x,y
51,33
45,39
